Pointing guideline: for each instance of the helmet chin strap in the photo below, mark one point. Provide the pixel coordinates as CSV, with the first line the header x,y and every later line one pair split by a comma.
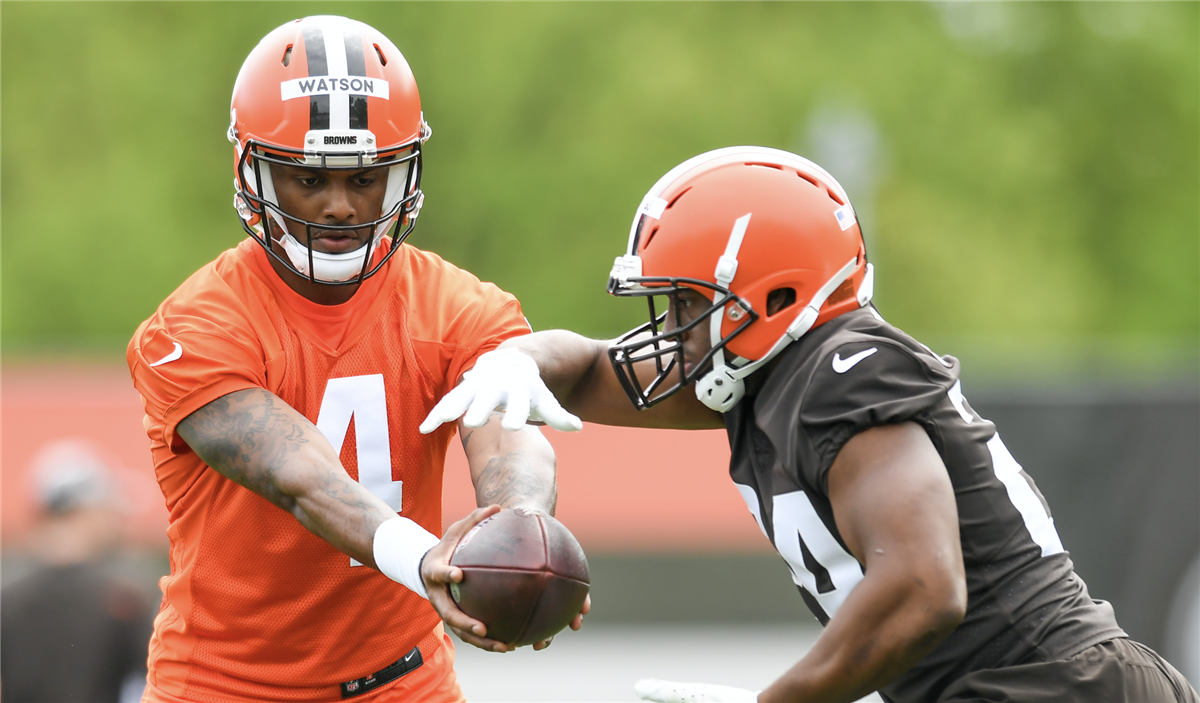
x,y
718,389
721,388
326,267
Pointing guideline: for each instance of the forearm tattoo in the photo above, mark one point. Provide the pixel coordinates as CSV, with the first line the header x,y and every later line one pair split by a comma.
x,y
512,480
255,439
245,437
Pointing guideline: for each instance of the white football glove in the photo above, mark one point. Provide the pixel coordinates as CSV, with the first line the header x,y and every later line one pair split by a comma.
x,y
502,379
675,692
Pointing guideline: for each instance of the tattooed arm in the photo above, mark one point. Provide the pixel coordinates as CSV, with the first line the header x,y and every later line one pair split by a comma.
x,y
510,469
255,439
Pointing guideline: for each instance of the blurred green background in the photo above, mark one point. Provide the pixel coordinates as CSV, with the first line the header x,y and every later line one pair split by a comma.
x,y
1028,174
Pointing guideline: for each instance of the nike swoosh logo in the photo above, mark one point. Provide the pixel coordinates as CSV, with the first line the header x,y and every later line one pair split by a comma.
x,y
410,656
175,354
841,365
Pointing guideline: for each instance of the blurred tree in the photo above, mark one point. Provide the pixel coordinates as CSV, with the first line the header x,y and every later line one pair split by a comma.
x,y
1037,164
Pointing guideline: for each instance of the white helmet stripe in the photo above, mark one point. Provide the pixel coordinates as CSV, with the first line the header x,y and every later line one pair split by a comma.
x,y
727,263
334,52
726,269
335,64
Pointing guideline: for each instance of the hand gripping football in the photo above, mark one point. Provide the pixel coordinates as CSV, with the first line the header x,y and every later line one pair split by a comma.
x,y
524,576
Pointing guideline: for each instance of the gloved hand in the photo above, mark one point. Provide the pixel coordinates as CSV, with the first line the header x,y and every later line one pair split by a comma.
x,y
676,692
502,378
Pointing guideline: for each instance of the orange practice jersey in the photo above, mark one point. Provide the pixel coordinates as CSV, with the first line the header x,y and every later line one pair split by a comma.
x,y
256,607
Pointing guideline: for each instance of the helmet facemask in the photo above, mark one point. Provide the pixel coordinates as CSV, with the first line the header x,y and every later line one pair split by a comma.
x,y
258,206
655,341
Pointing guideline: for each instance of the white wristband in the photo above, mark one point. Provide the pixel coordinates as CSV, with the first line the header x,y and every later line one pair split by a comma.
x,y
399,546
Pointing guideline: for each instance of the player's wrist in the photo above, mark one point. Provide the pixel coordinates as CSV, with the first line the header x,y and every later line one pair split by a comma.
x,y
399,547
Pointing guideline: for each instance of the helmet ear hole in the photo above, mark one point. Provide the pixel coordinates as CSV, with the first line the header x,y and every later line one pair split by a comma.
x,y
808,178
677,197
650,238
780,299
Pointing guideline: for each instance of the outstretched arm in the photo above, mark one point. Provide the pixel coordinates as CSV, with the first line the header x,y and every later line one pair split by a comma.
x,y
895,509
256,440
578,371
529,376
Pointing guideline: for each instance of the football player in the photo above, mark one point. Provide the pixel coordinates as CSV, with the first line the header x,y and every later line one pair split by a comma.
x,y
913,534
283,384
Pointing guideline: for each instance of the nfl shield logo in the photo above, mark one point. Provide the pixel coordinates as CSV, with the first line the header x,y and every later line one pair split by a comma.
x,y
352,686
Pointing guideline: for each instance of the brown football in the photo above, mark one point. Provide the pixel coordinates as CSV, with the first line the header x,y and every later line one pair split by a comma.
x,y
524,576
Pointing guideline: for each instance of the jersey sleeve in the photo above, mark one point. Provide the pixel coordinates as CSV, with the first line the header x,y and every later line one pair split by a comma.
x,y
860,385
455,317
180,363
505,321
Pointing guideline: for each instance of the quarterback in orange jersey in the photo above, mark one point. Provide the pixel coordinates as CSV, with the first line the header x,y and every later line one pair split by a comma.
x,y
283,386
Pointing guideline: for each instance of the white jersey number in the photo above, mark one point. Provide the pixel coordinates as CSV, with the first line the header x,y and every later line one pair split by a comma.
x,y
828,572
364,399
1020,491
817,561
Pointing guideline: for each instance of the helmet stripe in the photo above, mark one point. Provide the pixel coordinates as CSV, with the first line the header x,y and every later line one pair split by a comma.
x,y
356,65
335,49
335,57
314,50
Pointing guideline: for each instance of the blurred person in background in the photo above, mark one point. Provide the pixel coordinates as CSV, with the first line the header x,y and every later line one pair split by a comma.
x,y
71,630
283,384
914,536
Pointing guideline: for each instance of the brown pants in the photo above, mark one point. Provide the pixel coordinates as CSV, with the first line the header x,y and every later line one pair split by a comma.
x,y
1116,671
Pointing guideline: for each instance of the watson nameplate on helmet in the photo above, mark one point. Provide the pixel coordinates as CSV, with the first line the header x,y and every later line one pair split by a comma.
x,y
333,85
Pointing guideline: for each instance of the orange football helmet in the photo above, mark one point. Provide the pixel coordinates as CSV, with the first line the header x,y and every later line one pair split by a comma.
x,y
331,93
735,225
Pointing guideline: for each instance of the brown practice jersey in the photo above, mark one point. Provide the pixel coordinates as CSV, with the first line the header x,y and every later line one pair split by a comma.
x,y
1025,602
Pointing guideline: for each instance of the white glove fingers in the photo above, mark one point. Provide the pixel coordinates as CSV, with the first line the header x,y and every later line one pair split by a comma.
x,y
502,378
516,411
449,408
486,400
553,414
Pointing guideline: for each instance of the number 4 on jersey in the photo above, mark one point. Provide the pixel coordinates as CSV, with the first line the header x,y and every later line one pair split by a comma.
x,y
364,399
